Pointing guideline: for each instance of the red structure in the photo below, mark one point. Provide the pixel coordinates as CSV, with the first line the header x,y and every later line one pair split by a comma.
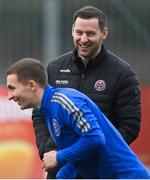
x,y
18,151
142,145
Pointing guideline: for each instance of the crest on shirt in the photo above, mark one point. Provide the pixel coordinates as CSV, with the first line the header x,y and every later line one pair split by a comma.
x,y
56,127
100,85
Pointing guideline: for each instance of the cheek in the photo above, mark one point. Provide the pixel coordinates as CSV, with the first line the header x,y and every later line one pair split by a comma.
x,y
18,92
97,42
76,38
29,98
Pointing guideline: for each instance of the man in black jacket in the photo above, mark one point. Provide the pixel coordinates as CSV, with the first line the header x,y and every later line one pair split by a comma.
x,y
108,80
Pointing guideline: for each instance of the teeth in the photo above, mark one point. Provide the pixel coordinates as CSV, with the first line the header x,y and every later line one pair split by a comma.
x,y
83,46
16,100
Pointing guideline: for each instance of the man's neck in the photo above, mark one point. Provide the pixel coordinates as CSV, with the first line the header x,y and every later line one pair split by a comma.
x,y
86,60
39,96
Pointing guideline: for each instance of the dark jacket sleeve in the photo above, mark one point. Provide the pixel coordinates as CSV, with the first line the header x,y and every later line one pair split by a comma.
x,y
128,105
44,141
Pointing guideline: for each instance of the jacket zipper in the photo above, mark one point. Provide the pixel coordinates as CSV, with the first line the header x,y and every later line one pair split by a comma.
x,y
81,82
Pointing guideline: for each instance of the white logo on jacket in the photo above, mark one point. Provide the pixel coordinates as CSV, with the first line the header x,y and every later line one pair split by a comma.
x,y
56,127
100,85
65,70
61,81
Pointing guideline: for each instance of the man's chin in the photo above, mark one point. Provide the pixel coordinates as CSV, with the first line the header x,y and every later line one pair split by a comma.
x,y
26,107
23,107
84,56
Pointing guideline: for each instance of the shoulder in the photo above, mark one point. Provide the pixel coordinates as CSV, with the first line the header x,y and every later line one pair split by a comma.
x,y
67,98
118,60
120,64
61,59
70,94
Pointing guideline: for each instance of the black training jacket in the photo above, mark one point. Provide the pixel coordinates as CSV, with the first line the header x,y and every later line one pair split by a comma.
x,y
108,80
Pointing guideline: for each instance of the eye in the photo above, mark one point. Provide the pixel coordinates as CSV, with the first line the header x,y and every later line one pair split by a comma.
x,y
11,87
90,33
79,33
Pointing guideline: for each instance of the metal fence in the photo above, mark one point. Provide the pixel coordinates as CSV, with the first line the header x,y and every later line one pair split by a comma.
x,y
20,32
42,30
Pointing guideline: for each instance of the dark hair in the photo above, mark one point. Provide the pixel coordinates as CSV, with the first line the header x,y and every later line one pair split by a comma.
x,y
29,69
88,12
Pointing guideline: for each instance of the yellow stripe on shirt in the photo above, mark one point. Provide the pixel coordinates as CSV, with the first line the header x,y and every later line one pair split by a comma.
x,y
71,108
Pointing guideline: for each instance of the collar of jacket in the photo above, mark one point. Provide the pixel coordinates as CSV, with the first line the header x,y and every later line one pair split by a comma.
x,y
46,99
92,62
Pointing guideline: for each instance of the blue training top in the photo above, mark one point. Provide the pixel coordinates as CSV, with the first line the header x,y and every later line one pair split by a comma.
x,y
87,141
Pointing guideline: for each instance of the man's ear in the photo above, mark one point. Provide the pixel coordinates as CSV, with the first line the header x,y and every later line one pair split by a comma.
x,y
72,29
32,84
105,33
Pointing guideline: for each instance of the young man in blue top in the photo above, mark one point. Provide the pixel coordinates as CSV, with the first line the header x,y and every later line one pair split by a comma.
x,y
87,142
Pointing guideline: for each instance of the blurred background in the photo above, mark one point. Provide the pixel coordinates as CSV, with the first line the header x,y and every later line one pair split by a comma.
x,y
41,29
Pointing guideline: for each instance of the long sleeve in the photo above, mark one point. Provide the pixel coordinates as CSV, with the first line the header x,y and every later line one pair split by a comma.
x,y
80,150
128,105
68,171
44,141
84,124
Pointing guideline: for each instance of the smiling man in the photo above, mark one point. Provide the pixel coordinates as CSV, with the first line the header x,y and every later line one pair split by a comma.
x,y
97,72
88,37
22,86
87,143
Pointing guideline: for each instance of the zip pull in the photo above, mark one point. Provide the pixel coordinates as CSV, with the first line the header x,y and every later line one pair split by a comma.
x,y
82,76
81,82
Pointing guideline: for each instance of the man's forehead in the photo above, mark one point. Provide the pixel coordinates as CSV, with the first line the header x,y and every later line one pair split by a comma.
x,y
11,79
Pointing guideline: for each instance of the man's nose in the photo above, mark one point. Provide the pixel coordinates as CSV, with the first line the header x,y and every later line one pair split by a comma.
x,y
84,37
10,96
